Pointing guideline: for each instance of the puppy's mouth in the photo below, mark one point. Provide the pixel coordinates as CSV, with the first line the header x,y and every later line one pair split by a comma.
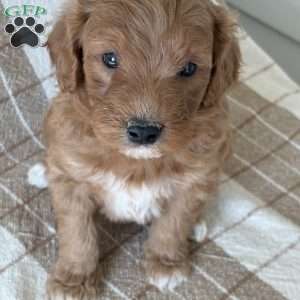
x,y
142,152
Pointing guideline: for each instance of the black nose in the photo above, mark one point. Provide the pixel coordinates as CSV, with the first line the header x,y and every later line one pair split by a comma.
x,y
143,132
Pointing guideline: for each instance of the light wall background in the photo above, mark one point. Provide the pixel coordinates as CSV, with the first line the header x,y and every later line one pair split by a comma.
x,y
275,26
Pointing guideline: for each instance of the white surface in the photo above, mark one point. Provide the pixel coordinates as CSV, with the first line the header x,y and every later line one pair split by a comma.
x,y
14,103
243,240
33,275
276,85
291,103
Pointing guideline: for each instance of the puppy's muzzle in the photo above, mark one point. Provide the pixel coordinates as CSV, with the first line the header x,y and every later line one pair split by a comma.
x,y
143,132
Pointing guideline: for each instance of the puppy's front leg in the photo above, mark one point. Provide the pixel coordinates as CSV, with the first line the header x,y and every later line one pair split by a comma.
x,y
166,251
74,273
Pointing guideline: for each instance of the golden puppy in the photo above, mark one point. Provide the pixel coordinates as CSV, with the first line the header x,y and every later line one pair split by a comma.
x,y
140,128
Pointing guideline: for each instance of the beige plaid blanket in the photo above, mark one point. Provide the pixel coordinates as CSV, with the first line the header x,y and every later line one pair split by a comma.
x,y
253,250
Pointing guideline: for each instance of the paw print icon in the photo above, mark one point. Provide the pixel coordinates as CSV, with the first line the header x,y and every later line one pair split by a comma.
x,y
24,32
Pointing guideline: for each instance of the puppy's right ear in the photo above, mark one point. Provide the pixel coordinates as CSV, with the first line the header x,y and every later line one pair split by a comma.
x,y
226,55
65,47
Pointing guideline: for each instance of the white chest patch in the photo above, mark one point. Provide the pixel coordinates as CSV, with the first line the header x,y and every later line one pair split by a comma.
x,y
129,203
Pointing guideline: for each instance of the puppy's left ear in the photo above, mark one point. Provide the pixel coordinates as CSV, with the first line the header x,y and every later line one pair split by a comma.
x,y
226,55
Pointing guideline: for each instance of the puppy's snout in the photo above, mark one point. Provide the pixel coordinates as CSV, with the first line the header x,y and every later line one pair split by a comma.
x,y
143,132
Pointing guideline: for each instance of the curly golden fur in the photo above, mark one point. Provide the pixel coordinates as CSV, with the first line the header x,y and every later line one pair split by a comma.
x,y
91,164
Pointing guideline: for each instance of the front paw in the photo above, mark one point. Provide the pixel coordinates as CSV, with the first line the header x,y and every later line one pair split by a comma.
x,y
65,285
166,277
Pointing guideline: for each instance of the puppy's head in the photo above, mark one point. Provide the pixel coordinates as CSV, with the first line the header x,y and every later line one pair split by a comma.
x,y
148,69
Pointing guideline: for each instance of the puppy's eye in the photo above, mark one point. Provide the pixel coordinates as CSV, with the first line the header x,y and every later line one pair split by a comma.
x,y
110,59
189,70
